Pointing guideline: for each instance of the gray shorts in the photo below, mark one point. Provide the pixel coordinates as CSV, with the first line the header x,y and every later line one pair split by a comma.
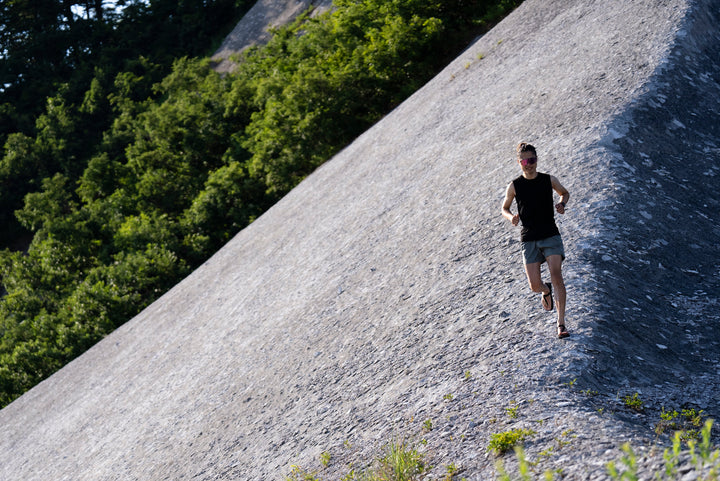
x,y
538,251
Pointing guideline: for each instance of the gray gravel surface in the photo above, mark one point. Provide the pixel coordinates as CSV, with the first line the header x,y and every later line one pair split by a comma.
x,y
386,290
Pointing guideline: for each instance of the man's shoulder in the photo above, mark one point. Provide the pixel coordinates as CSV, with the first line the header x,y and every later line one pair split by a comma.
x,y
546,177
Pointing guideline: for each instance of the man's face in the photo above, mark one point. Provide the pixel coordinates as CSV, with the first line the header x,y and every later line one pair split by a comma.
x,y
528,162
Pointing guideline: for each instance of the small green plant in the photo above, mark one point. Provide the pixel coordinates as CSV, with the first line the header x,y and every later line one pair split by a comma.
x,y
672,457
694,418
500,443
512,411
401,462
571,383
450,471
325,458
468,375
634,402
428,425
524,469
668,415
563,440
629,460
448,397
352,476
546,453
298,474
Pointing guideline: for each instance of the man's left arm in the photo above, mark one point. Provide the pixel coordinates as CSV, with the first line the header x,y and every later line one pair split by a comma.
x,y
562,192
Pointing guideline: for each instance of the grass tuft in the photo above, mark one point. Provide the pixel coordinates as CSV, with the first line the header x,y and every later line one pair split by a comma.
x,y
501,443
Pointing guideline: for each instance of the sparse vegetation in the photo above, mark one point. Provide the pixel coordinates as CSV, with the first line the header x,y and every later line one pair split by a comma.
x,y
298,474
704,460
500,443
571,383
686,423
401,462
450,471
634,402
428,425
524,468
703,457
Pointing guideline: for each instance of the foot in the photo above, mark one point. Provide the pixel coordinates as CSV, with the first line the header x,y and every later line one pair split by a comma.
x,y
547,299
562,331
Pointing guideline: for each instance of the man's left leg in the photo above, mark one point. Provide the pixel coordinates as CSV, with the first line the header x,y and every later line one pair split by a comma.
x,y
555,266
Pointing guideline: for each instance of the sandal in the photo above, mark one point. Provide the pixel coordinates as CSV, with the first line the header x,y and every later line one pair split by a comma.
x,y
548,305
562,331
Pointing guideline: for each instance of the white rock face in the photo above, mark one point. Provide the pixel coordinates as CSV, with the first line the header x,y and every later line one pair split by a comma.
x,y
386,289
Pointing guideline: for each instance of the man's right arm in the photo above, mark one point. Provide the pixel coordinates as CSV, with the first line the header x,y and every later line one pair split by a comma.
x,y
509,197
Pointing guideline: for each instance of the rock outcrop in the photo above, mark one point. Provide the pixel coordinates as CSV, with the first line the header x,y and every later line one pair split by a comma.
x,y
386,290
254,28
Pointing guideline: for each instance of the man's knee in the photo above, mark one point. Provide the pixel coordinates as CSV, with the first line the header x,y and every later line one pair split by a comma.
x,y
536,285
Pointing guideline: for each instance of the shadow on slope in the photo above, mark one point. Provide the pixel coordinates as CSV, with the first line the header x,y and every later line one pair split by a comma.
x,y
658,290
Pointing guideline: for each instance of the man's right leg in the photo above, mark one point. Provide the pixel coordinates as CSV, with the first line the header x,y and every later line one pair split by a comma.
x,y
533,259
535,279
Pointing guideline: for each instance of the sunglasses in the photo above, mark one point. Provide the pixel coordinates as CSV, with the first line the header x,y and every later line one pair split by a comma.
x,y
529,161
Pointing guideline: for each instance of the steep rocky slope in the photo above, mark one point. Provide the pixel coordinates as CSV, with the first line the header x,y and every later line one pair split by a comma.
x,y
254,27
386,290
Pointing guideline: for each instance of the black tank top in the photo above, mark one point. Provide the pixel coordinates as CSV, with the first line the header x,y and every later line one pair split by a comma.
x,y
534,199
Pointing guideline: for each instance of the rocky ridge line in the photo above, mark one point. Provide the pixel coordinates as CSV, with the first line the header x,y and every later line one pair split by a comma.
x,y
254,27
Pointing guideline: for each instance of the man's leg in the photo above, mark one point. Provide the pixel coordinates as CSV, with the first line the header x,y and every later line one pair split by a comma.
x,y
534,278
555,266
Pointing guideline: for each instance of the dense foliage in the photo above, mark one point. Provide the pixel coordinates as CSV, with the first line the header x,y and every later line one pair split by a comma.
x,y
54,57
129,186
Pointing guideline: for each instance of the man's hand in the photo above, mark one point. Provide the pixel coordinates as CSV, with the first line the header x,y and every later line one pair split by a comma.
x,y
515,219
560,208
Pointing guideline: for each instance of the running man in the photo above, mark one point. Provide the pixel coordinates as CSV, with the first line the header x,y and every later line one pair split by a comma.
x,y
541,241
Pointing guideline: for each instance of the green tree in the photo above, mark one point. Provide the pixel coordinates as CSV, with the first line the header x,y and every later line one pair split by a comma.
x,y
58,59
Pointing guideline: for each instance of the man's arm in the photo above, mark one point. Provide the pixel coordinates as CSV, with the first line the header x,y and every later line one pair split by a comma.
x,y
509,197
562,192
